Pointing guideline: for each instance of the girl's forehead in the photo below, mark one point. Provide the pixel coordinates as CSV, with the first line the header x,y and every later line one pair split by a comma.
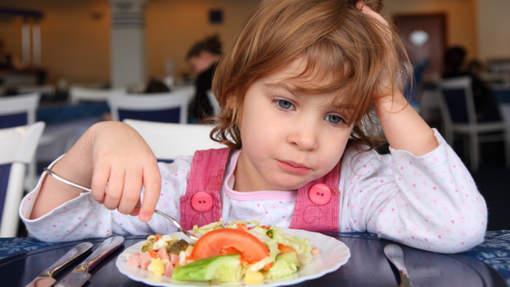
x,y
290,71
300,77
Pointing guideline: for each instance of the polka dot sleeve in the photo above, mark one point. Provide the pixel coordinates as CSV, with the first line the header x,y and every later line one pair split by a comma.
x,y
429,202
82,217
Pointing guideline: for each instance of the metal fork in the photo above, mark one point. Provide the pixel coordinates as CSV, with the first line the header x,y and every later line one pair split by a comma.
x,y
190,236
395,255
176,223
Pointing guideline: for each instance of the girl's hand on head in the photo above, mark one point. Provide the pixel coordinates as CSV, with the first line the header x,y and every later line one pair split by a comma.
x,y
123,163
388,86
364,8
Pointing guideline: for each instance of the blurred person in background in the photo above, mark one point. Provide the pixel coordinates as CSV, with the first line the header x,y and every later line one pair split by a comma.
x,y
156,86
5,58
203,58
454,66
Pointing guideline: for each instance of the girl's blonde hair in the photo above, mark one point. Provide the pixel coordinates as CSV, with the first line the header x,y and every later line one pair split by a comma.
x,y
338,42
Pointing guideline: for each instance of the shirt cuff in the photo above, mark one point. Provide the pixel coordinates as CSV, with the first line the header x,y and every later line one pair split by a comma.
x,y
442,144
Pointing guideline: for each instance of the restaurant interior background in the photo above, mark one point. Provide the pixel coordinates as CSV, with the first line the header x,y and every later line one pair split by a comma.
x,y
55,45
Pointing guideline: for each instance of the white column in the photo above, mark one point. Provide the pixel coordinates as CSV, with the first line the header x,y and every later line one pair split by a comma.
x,y
25,44
36,44
127,43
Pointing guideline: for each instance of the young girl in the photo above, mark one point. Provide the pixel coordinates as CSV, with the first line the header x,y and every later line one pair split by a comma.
x,y
296,91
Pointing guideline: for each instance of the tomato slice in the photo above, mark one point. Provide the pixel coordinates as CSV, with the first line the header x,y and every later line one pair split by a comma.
x,y
228,241
285,248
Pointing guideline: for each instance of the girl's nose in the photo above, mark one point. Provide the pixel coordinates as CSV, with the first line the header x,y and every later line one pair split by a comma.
x,y
304,136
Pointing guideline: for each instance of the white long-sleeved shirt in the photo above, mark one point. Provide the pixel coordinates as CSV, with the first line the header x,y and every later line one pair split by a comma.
x,y
429,202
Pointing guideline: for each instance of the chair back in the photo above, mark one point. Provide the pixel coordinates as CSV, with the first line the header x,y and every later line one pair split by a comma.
x,y
214,103
457,104
502,94
79,94
169,140
17,149
165,107
18,110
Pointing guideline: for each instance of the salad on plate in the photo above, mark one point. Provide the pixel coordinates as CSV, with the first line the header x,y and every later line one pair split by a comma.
x,y
239,252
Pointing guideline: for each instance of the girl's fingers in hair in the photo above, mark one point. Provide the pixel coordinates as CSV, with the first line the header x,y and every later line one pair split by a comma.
x,y
99,180
360,4
152,185
114,188
132,189
365,9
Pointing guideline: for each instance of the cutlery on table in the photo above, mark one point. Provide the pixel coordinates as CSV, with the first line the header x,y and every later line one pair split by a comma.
x,y
395,255
190,236
80,275
45,278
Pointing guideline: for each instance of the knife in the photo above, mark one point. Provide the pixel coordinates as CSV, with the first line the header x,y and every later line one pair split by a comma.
x,y
80,275
45,278
395,255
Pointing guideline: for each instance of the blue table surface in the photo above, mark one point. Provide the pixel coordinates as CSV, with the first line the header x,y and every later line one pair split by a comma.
x,y
494,251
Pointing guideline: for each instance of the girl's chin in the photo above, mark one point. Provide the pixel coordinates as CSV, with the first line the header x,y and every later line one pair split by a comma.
x,y
287,183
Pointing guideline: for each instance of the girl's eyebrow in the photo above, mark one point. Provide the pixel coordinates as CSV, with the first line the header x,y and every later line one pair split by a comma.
x,y
342,106
282,85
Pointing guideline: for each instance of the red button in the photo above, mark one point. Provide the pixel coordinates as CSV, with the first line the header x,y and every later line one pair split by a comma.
x,y
201,201
320,193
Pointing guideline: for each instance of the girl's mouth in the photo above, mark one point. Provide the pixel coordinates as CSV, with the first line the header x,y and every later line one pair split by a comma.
x,y
293,167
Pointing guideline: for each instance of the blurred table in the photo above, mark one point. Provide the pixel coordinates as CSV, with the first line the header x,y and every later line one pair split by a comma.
x,y
65,123
60,113
23,258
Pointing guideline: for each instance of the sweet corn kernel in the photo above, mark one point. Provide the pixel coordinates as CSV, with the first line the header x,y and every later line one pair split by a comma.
x,y
157,266
253,277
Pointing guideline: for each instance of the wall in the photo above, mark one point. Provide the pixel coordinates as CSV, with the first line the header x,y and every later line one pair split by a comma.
x,y
174,26
493,28
75,37
79,49
460,17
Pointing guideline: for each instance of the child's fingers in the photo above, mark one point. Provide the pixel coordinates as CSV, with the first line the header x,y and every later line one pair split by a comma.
x,y
152,185
360,4
99,180
135,210
369,12
114,188
132,189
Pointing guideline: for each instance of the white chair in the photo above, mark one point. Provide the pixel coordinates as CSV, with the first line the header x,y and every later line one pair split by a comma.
x,y
44,89
17,149
80,94
502,94
168,140
165,107
459,117
19,111
214,103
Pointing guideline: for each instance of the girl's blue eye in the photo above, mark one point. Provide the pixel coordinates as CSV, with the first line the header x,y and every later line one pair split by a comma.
x,y
284,104
334,119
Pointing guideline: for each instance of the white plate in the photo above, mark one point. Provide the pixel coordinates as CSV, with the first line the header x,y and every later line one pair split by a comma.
x,y
332,254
